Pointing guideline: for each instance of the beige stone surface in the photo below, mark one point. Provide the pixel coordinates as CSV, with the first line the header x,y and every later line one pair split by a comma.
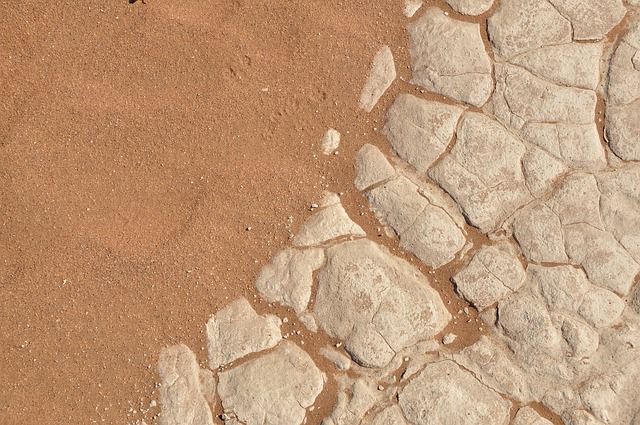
x,y
381,75
420,130
444,393
449,58
237,330
519,26
275,388
182,398
375,302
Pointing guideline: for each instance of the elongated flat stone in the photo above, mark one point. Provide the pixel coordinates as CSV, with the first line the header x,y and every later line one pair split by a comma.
x,y
382,74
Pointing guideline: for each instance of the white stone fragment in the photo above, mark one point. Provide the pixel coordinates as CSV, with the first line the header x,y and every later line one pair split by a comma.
x,y
572,64
378,304
620,206
425,229
420,130
491,275
483,172
382,74
601,307
449,338
623,130
490,362
538,231
541,171
577,145
330,141
582,339
411,7
521,98
606,262
275,388
445,394
289,277
182,399
562,287
520,26
449,58
237,330
326,224
371,167
470,7
341,361
591,19
527,416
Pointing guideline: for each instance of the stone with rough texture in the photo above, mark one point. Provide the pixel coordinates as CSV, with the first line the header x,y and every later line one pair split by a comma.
x,y
520,26
483,172
527,416
601,307
341,361
355,399
620,206
634,301
521,97
329,222
445,394
411,7
572,64
420,130
237,330
489,361
449,58
425,229
382,74
539,233
623,77
289,277
577,145
470,7
541,171
490,276
623,130
623,96
275,388
377,303
591,19
528,325
182,398
577,200
371,167
582,339
606,262
330,141
562,287
392,415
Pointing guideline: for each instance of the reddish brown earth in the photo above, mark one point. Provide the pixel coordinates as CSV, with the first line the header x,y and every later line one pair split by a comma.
x,y
138,143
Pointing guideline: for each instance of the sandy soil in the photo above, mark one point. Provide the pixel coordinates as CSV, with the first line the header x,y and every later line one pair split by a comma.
x,y
137,143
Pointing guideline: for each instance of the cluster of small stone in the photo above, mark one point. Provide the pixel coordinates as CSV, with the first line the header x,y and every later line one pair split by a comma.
x,y
517,154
